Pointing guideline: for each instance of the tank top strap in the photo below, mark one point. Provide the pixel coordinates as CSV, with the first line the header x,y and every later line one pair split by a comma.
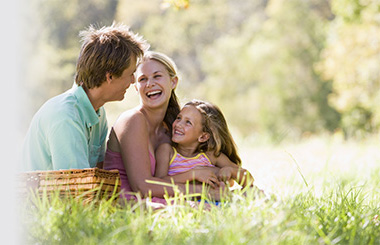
x,y
174,155
205,156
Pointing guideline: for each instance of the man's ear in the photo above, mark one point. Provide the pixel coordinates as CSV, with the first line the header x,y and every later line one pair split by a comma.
x,y
174,82
204,137
108,77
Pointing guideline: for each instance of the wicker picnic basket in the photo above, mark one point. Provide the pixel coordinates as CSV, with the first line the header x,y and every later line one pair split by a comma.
x,y
87,183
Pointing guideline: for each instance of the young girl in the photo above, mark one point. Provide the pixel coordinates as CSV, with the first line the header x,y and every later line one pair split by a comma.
x,y
203,149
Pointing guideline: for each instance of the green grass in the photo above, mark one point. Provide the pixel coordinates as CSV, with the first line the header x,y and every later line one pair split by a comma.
x,y
333,208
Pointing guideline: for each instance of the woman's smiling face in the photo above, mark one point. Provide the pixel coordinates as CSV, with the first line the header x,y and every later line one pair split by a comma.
x,y
154,83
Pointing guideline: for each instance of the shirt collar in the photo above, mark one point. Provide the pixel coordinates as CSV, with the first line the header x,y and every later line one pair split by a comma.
x,y
90,116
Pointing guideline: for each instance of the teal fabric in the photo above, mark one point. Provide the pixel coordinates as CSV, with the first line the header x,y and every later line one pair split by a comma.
x,y
66,133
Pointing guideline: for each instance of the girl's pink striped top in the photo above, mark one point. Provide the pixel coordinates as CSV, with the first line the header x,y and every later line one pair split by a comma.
x,y
179,164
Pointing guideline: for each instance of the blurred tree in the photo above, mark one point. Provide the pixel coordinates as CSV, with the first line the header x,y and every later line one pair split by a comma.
x,y
178,4
184,34
255,59
352,60
265,79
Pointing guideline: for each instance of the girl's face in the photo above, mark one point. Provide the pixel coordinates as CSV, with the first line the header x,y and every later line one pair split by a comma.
x,y
188,128
154,84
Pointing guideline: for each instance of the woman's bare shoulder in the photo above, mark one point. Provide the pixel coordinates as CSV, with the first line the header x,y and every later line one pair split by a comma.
x,y
130,117
165,147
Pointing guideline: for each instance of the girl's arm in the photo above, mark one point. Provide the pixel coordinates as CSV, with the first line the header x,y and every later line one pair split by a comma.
x,y
201,174
165,152
229,170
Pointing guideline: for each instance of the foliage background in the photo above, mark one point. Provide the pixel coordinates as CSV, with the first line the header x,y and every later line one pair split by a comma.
x,y
278,69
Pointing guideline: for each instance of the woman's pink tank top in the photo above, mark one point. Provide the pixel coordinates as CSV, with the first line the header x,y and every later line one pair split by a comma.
x,y
113,160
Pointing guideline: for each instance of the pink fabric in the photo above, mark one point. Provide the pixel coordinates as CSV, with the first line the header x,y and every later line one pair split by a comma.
x,y
113,160
179,164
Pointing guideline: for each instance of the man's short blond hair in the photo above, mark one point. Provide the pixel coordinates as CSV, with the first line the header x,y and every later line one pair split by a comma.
x,y
108,49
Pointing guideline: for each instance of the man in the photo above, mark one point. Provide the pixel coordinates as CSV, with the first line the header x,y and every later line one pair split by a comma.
x,y
69,131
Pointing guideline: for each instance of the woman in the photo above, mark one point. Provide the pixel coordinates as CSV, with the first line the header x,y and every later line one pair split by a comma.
x,y
138,132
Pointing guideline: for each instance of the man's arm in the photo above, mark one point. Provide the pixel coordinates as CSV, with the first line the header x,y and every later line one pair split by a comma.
x,y
68,145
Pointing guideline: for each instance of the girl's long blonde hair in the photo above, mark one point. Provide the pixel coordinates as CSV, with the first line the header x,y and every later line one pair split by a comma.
x,y
215,124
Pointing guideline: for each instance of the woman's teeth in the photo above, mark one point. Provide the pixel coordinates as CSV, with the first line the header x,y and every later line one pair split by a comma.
x,y
153,93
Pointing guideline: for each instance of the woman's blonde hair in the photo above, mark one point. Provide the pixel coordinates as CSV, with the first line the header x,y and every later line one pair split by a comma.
x,y
173,106
215,124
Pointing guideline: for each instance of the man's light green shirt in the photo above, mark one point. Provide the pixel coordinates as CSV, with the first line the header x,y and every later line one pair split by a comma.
x,y
66,133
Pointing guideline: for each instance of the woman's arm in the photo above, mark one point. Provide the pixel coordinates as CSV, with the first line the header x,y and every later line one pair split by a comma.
x,y
165,152
229,170
131,132
201,174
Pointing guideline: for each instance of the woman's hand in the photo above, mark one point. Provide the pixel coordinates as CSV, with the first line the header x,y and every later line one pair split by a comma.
x,y
226,173
245,178
207,176
241,175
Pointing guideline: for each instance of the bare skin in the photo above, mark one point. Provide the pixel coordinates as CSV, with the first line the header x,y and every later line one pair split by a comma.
x,y
138,132
188,134
112,89
224,170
